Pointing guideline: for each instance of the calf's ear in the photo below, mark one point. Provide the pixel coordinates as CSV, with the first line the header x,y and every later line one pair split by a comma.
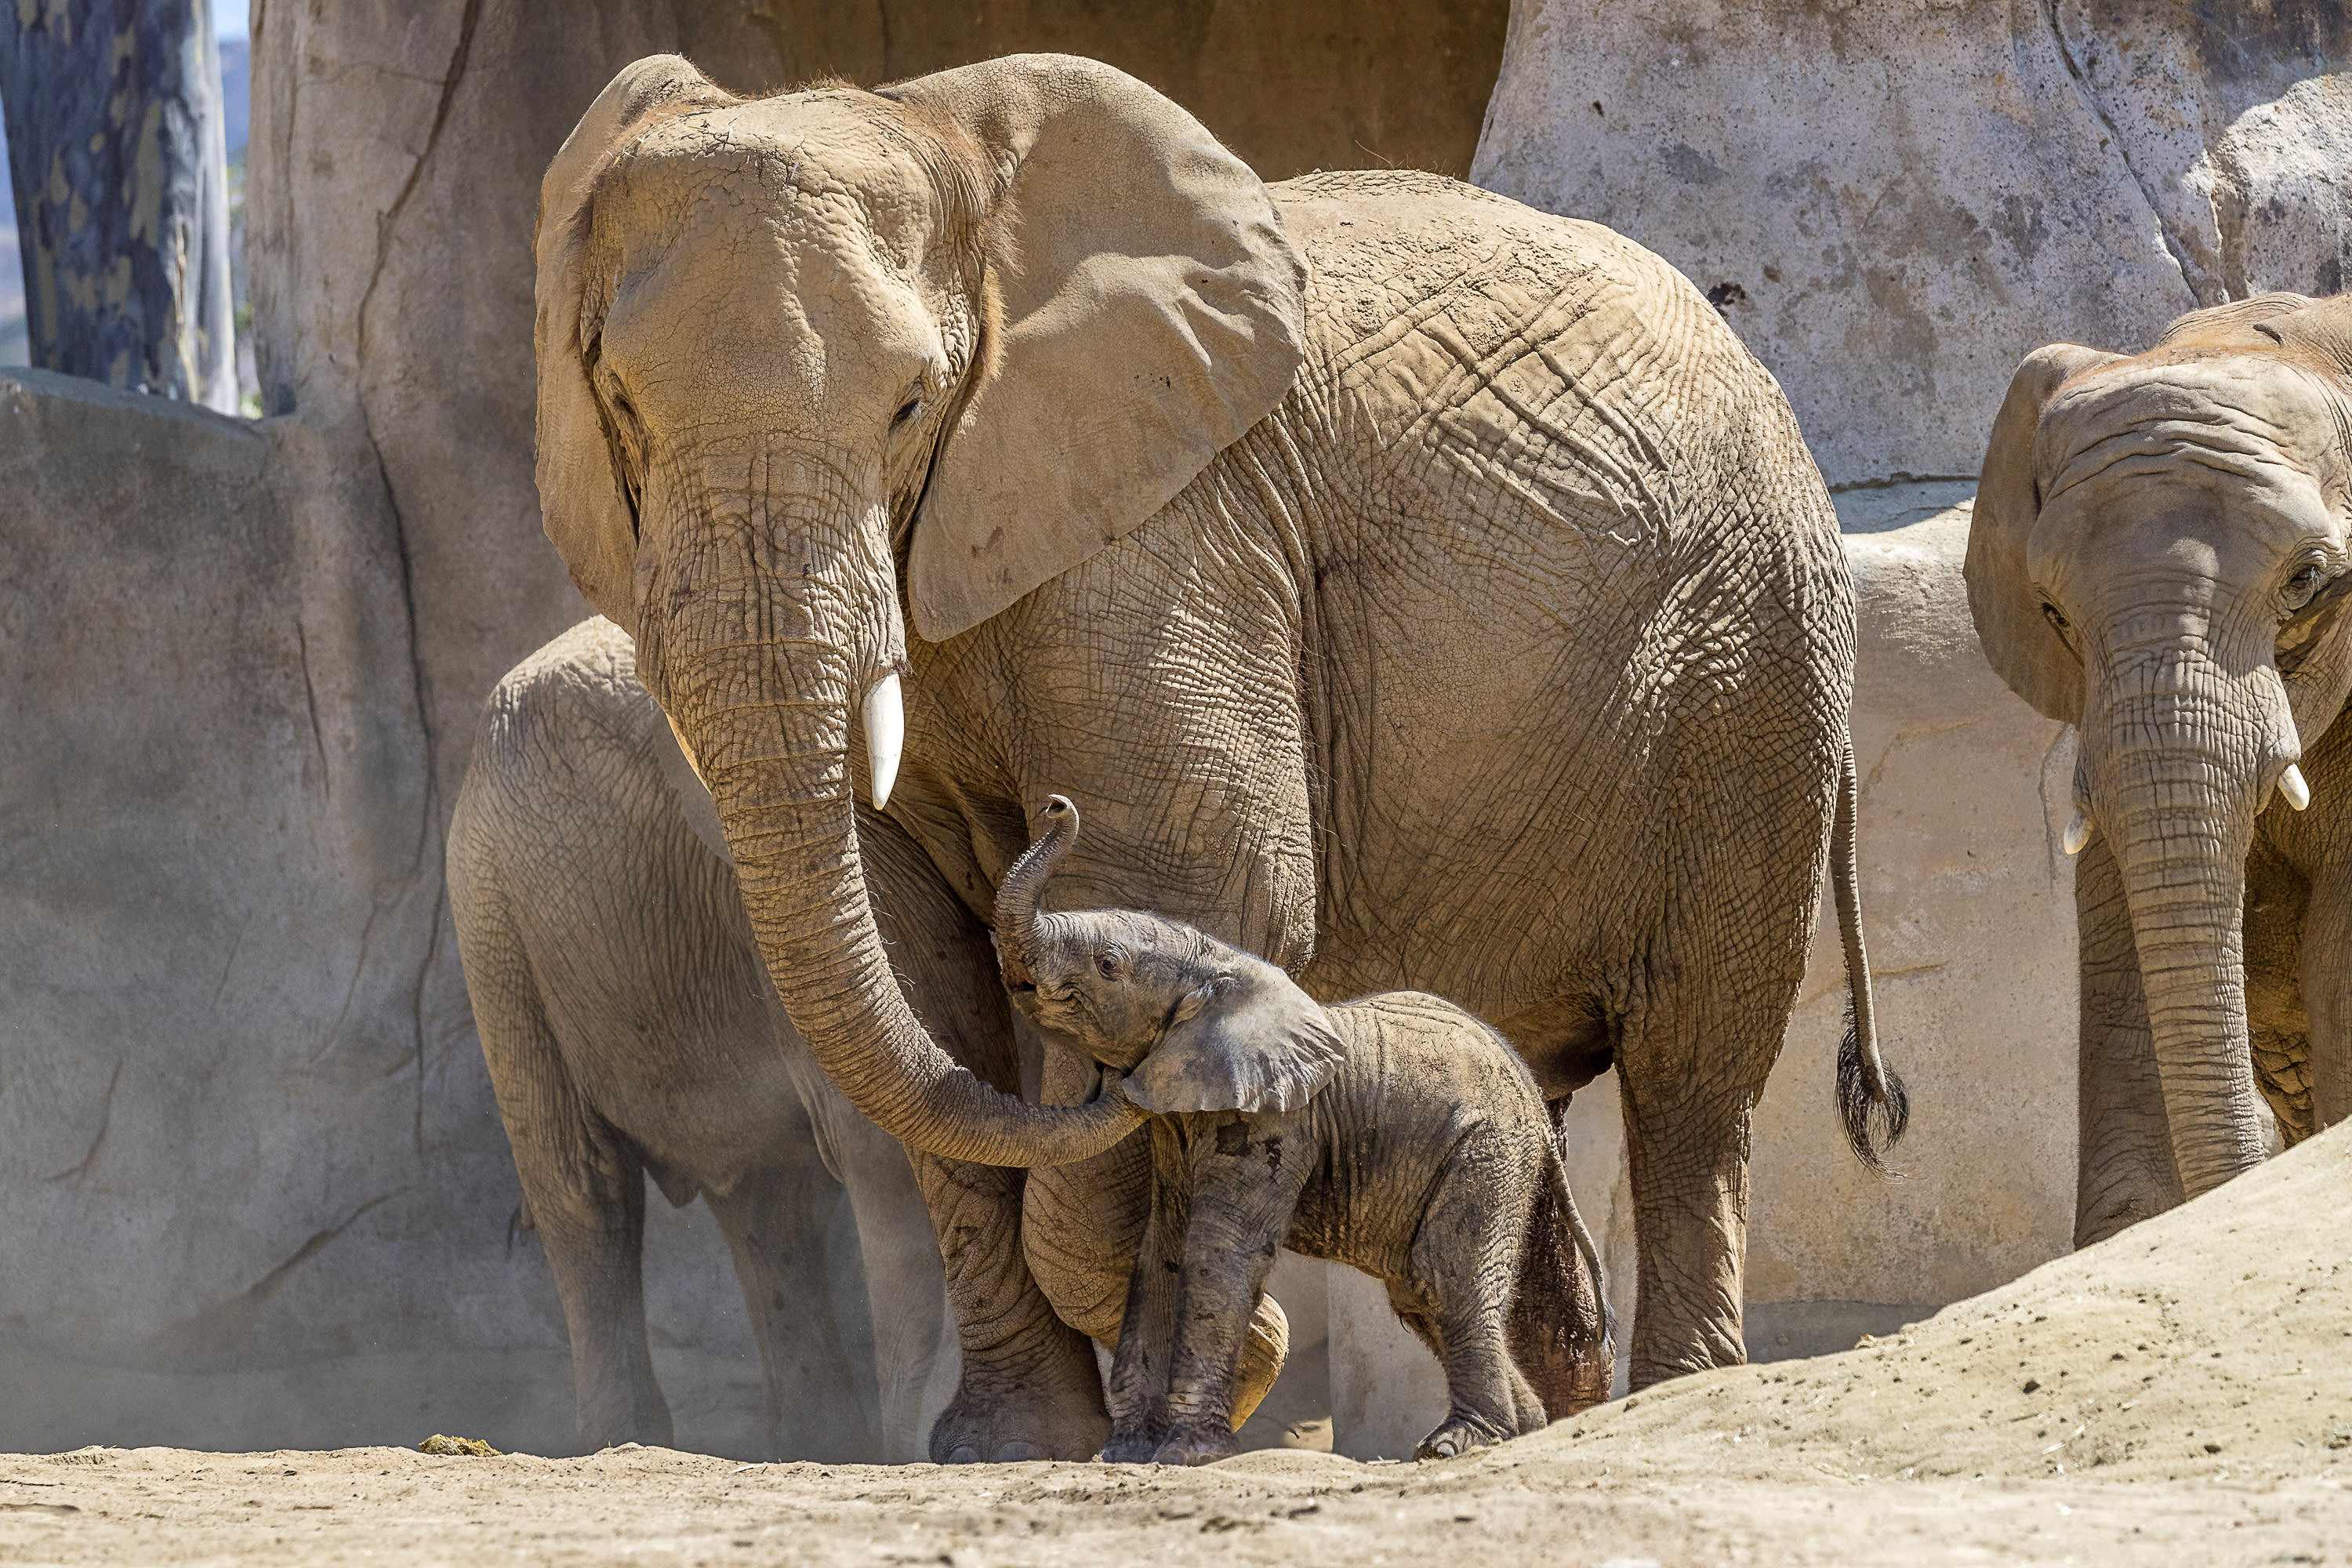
x,y
1249,1039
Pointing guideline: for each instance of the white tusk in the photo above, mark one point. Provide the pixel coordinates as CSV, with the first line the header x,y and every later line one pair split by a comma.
x,y
886,736
2290,784
2078,833
693,764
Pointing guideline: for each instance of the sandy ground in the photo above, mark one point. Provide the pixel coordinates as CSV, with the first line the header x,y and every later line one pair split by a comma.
x,y
2181,1395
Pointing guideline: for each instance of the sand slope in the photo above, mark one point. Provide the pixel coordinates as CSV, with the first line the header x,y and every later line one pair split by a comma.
x,y
2215,1341
2169,1397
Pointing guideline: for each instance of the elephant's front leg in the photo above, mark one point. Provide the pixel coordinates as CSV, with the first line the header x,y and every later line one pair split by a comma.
x,y
1243,1194
1146,1333
1030,1389
1081,1224
2124,1169
2328,997
776,1222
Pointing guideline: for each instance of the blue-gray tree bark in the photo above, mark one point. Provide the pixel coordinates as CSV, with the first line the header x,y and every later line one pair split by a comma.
x,y
115,144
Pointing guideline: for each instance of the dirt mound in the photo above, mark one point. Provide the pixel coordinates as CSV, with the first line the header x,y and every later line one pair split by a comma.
x,y
2213,1342
2206,1355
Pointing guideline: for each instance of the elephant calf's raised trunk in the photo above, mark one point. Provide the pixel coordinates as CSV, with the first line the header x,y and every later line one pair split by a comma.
x,y
1018,923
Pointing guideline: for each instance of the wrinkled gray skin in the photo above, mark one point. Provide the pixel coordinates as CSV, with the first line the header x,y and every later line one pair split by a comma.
x,y
2158,557
630,1030
1403,1139
1419,590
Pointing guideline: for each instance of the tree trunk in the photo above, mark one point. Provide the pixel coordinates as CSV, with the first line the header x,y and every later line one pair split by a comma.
x,y
117,149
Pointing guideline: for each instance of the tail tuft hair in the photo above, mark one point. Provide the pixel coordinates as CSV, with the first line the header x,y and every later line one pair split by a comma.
x,y
1874,1120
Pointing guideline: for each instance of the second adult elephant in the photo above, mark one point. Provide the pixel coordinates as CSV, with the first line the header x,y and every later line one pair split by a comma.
x,y
630,1031
1415,588
2158,557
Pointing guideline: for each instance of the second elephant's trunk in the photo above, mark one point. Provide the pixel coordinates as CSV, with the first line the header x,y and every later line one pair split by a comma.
x,y
2175,775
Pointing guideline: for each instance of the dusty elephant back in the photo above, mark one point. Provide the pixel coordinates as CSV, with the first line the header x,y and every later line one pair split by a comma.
x,y
1524,327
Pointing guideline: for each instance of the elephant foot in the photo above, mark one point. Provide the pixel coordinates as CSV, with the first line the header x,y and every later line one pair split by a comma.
x,y
1197,1446
1456,1437
1006,1415
1130,1448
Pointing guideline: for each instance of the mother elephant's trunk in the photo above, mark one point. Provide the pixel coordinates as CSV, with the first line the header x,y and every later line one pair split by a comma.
x,y
2176,765
757,669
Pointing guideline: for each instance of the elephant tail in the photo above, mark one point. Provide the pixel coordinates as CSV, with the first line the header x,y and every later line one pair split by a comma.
x,y
1563,1346
1556,1178
1870,1099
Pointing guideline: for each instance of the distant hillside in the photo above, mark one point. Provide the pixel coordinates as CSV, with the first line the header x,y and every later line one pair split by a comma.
x,y
236,96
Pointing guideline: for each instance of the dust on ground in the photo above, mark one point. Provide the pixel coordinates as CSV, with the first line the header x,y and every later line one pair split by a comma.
x,y
2182,1393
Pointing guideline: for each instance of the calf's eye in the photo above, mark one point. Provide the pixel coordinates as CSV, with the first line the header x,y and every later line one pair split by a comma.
x,y
1107,966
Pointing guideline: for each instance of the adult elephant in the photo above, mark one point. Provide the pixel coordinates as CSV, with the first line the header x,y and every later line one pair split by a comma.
x,y
1413,588
2159,558
629,1030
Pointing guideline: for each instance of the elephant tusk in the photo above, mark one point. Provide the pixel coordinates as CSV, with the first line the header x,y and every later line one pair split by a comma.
x,y
693,764
886,736
2290,784
2078,833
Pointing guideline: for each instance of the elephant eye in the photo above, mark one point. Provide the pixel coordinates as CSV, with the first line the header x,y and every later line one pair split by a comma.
x,y
2057,621
907,412
2303,585
1107,966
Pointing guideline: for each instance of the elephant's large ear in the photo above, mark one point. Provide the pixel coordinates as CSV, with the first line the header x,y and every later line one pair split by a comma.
x,y
582,503
1152,313
1248,1040
2023,649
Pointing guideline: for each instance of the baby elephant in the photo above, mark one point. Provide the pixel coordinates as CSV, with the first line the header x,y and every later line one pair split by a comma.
x,y
1397,1134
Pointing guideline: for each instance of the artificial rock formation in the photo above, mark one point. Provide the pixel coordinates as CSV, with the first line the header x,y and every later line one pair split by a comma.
x,y
1892,204
253,1184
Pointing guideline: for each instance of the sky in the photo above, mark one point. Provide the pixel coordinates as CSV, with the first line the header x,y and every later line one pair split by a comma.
x,y
229,19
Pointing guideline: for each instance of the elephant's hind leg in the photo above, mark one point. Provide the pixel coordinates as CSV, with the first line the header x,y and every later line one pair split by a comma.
x,y
1705,1008
1458,1290
583,1179
819,1406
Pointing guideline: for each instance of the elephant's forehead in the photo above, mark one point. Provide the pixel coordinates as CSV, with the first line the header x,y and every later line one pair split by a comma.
x,y
2248,415
830,166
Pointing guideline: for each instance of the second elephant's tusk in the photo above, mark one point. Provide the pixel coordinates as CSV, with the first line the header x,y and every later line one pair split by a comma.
x,y
2290,784
886,736
2078,833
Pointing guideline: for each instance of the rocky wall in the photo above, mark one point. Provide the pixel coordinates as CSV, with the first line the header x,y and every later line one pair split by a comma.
x,y
252,1193
1894,204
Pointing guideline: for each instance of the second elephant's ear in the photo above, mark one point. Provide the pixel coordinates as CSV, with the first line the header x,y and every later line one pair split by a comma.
x,y
1152,312
2019,641
1248,1040
582,503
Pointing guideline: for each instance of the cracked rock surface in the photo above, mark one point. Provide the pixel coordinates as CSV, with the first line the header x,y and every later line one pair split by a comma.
x,y
1892,205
